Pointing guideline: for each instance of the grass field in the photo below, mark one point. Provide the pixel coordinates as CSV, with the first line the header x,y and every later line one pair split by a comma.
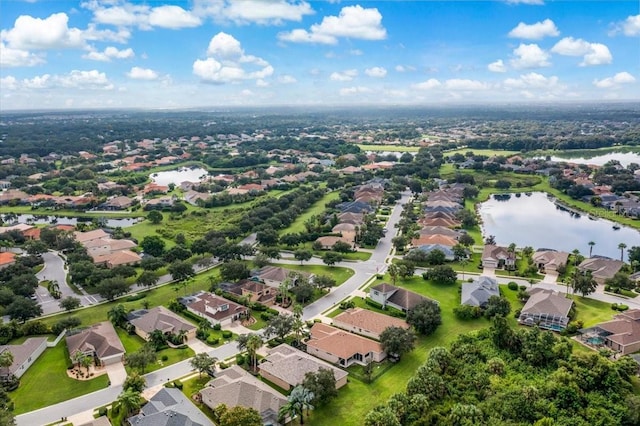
x,y
487,152
46,382
133,342
316,208
336,272
389,148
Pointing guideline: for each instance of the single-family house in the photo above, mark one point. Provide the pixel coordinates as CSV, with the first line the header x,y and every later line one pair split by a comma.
x,y
328,242
273,276
478,292
24,355
498,257
343,348
446,250
235,387
354,207
7,259
621,334
99,341
547,309
160,318
117,203
254,290
118,258
170,407
602,268
429,239
286,367
367,323
215,309
550,260
396,297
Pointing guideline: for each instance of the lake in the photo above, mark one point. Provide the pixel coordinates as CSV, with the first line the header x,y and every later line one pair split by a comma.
x,y
534,220
625,158
64,220
179,175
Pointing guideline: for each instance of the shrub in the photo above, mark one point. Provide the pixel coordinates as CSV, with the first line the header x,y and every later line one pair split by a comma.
x,y
372,303
178,384
223,365
516,314
523,287
266,316
213,340
622,307
614,306
512,286
102,411
607,288
226,334
35,327
67,323
217,327
164,358
466,312
259,307
240,359
135,297
347,305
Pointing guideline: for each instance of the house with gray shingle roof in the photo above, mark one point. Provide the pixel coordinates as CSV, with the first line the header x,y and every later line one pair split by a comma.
x,y
397,297
24,355
602,268
99,341
160,318
169,407
546,309
478,292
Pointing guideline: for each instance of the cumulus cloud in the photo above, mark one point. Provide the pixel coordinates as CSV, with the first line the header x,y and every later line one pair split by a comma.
x,y
123,14
346,91
530,56
346,75
110,53
629,27
465,85
592,53
404,68
8,83
172,17
353,22
228,63
376,72
49,33
615,81
138,73
536,31
497,66
273,12
531,80
287,79
18,58
81,80
432,83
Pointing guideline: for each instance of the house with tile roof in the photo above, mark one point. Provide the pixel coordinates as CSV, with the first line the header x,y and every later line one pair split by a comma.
x,y
160,318
602,268
498,257
254,290
478,292
99,341
546,309
7,259
396,297
24,355
367,323
235,387
621,334
550,260
215,309
343,348
286,367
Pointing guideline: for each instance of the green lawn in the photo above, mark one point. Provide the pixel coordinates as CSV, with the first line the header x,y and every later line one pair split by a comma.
x,y
133,342
338,273
487,152
260,323
46,382
316,208
389,148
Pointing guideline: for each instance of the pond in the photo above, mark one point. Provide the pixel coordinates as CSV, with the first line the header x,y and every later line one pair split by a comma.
x,y
532,219
597,159
65,220
179,175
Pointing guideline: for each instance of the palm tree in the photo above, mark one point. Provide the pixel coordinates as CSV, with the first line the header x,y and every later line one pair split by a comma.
x,y
250,343
297,402
129,401
282,289
117,315
622,246
6,360
393,271
591,244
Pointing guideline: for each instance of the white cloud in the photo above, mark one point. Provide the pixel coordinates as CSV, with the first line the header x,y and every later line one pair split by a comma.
x,y
592,53
356,52
8,83
227,60
346,91
615,81
257,11
287,79
629,27
93,79
465,85
531,80
432,83
530,56
138,73
352,22
376,72
346,75
172,17
110,53
262,83
18,58
497,66
38,82
404,68
49,33
536,31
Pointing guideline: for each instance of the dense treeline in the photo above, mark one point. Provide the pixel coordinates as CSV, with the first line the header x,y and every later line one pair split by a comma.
x,y
502,376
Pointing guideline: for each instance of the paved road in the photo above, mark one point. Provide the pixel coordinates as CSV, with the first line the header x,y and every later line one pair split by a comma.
x,y
53,413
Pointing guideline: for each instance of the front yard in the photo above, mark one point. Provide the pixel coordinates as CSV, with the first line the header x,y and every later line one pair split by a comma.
x,y
133,342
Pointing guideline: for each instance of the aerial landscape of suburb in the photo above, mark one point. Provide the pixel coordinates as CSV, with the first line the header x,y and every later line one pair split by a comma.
x,y
325,213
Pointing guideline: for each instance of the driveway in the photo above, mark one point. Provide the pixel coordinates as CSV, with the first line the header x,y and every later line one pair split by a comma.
x,y
117,374
489,272
550,277
198,346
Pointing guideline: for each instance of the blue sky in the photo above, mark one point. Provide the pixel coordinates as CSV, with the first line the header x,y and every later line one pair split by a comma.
x,y
200,53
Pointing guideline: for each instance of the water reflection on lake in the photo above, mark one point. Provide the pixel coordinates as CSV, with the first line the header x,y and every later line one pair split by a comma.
x,y
179,175
625,158
534,220
62,220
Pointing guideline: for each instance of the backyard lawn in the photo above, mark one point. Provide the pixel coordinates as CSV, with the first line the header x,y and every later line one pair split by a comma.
x,y
133,342
46,382
338,273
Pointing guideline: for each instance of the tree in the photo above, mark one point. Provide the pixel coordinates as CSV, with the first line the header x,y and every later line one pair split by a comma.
x,y
134,381
6,361
490,240
323,281
441,274
291,240
303,255
35,247
341,247
153,245
177,253
298,401
181,270
322,384
397,341
436,257
467,218
69,303
584,283
147,279
250,343
141,358
22,309
425,317
622,246
381,416
128,402
157,339
303,292
591,244
620,280
502,184
234,270
268,237
117,315
330,258
237,416
394,271
203,362
466,240
151,263
279,326
111,288
155,217
459,252
270,252
497,305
